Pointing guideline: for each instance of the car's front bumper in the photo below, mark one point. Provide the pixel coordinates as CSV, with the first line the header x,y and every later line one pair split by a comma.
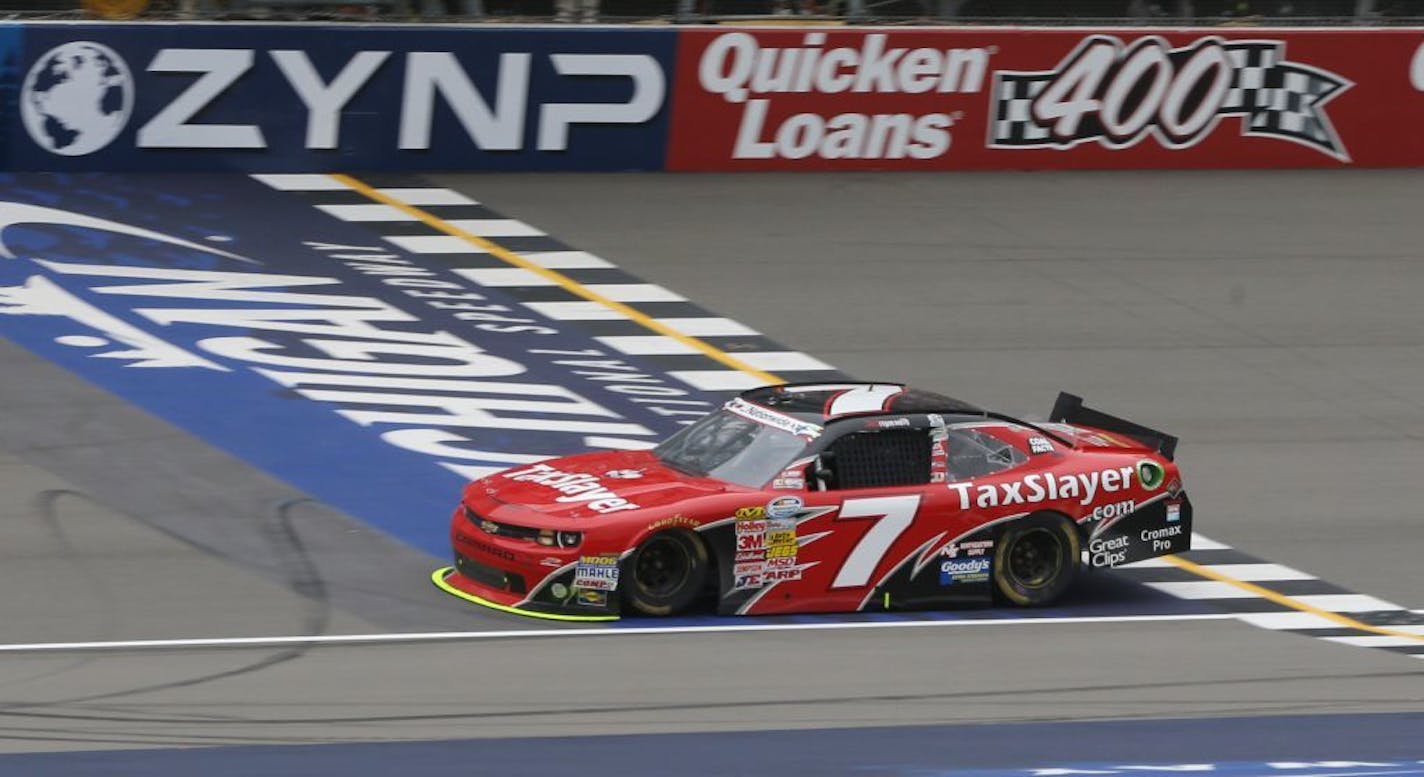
x,y
543,605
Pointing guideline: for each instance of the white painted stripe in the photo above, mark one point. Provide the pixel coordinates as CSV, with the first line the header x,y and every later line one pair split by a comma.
x,y
788,361
1377,640
458,636
1288,620
428,196
370,212
504,276
1259,572
1149,563
473,471
648,345
495,227
301,182
618,443
708,327
717,380
1204,589
567,260
435,244
575,311
634,292
1202,542
1346,602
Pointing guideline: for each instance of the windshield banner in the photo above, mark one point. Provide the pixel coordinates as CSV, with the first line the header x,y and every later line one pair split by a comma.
x,y
991,99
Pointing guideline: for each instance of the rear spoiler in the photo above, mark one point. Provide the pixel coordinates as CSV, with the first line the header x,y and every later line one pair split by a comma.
x,y
1069,409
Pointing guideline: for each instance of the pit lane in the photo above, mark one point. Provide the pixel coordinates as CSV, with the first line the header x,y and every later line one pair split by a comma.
x,y
1295,399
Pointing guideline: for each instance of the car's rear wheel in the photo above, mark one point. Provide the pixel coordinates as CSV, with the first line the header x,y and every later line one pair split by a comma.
x,y
665,574
1036,560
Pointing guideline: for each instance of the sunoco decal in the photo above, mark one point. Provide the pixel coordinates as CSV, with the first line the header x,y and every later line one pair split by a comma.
x,y
1117,95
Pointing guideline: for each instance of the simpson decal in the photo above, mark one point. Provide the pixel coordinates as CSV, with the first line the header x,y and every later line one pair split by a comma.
x,y
1117,95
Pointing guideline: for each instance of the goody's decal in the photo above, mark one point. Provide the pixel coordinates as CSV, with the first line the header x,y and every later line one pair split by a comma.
x,y
376,380
999,98
161,97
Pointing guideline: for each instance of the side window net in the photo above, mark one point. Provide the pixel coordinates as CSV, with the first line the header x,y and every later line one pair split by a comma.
x,y
974,454
895,457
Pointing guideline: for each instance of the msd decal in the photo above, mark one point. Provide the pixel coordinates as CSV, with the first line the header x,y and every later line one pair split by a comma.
x,y
1118,94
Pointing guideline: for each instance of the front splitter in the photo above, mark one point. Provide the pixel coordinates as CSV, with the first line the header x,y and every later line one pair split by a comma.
x,y
440,578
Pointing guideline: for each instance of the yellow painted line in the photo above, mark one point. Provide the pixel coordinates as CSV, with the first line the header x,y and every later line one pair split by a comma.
x,y
1283,600
438,578
567,283
718,355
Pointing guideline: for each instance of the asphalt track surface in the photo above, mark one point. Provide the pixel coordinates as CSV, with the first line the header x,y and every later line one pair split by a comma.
x,y
1270,320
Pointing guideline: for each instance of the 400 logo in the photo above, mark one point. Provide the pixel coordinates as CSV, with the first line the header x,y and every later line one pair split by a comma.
x,y
1117,95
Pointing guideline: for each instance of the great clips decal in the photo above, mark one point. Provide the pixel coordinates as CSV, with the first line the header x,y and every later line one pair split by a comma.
x,y
1041,99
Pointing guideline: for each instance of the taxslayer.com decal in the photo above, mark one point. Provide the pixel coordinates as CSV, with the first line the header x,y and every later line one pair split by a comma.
x,y
1044,99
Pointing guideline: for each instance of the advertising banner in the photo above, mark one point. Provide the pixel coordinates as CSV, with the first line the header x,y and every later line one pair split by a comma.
x,y
317,98
995,99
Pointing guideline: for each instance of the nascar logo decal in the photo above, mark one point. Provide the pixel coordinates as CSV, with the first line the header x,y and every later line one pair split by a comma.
x,y
1117,95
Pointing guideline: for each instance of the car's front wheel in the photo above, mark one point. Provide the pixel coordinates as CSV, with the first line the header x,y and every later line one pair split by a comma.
x,y
666,574
1036,559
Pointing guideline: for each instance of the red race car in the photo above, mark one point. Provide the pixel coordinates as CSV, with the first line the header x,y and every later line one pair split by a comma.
x,y
823,498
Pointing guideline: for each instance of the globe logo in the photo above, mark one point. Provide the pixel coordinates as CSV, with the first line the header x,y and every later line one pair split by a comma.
x,y
76,98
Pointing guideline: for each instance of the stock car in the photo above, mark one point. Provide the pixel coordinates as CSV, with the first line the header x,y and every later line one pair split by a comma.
x,y
823,498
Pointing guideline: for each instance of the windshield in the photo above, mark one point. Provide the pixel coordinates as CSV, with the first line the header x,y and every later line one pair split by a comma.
x,y
729,447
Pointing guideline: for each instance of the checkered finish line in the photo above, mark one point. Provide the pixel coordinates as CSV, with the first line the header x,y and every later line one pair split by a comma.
x,y
555,295
1258,592
1274,97
1277,597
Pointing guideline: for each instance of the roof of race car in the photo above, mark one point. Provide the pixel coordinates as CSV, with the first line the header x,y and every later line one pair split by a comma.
x,y
824,402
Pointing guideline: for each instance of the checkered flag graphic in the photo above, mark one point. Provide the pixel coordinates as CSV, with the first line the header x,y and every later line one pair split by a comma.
x,y
1274,98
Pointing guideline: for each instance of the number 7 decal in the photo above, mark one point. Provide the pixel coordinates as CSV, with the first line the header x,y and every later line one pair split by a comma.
x,y
895,514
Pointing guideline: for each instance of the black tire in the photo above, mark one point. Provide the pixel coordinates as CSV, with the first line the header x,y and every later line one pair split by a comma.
x,y
1036,559
666,574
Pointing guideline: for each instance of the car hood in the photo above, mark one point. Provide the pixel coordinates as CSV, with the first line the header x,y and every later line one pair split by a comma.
x,y
594,485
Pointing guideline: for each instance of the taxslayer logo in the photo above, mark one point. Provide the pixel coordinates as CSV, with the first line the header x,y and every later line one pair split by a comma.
x,y
1117,95
575,487
738,68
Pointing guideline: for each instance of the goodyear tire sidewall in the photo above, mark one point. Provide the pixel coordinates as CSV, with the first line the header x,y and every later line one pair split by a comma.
x,y
1070,548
